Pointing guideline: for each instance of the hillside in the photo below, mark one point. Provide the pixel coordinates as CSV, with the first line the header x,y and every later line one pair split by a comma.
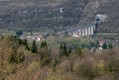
x,y
108,7
56,15
40,14
18,61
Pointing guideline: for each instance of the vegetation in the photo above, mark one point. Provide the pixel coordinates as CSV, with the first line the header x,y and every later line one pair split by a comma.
x,y
19,33
18,63
47,15
104,46
63,58
34,47
40,15
110,46
105,7
79,51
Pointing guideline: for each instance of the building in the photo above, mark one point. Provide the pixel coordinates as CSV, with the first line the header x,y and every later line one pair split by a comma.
x,y
83,30
33,37
101,17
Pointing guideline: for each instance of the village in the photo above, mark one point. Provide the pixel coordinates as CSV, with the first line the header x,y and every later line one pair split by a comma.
x,y
84,30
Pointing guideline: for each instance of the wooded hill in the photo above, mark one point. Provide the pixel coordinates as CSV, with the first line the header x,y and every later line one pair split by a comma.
x,y
22,61
42,15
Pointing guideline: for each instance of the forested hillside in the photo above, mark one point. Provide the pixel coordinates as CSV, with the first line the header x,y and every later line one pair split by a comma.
x,y
40,14
22,61
57,15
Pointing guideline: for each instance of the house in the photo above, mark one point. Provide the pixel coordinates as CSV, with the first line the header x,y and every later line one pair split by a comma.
x,y
33,37
101,44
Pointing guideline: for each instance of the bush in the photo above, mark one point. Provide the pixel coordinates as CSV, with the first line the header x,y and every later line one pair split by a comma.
x,y
17,58
86,67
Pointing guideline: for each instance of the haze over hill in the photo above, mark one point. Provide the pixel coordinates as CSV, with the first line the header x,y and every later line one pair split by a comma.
x,y
42,15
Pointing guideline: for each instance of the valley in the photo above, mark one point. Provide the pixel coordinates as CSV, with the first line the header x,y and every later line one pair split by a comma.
x,y
59,39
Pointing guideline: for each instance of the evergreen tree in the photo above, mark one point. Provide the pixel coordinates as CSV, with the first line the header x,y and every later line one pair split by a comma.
x,y
61,50
69,51
34,47
104,46
20,41
64,49
43,44
44,53
97,44
61,46
24,42
27,47
19,33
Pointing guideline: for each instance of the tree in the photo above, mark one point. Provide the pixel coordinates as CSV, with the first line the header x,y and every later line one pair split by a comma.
x,y
44,53
60,50
19,33
97,44
110,46
34,47
64,51
101,68
104,46
9,54
27,47
20,41
69,51
17,58
43,44
79,51
24,42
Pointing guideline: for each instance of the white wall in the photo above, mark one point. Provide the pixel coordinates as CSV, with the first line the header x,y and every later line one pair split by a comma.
x,y
92,30
83,32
